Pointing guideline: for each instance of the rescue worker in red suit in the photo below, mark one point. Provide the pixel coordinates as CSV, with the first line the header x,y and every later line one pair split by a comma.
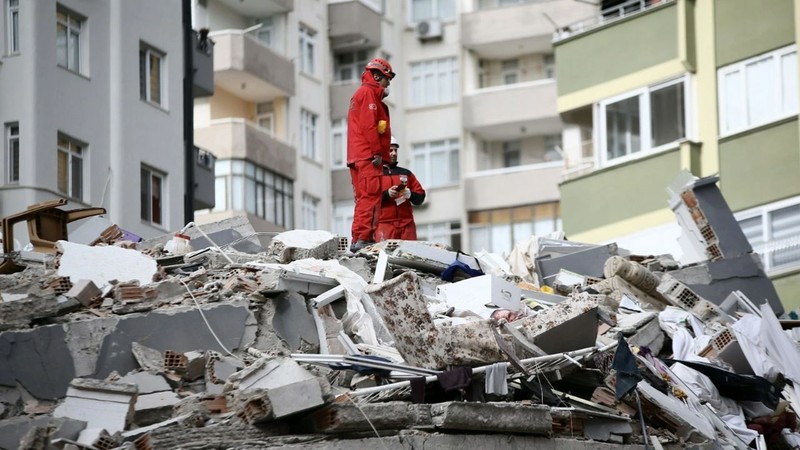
x,y
401,189
368,138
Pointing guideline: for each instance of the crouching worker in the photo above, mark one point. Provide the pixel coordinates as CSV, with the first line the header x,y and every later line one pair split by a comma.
x,y
400,190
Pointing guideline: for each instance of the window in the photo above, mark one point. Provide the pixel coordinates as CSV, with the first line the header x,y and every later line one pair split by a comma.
x,y
642,121
306,50
308,135
436,163
12,26
432,9
444,233
512,150
349,66
310,212
758,91
152,196
434,82
497,230
265,116
774,232
343,218
510,71
242,185
12,152
266,32
70,166
552,147
339,143
68,39
549,63
151,74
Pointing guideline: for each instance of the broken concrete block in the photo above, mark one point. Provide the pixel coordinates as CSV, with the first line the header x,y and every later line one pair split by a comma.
x,y
13,430
474,294
606,430
19,313
294,323
495,417
103,264
281,387
588,262
302,244
573,323
154,407
146,382
38,359
632,272
348,418
218,369
100,404
147,358
84,291
682,296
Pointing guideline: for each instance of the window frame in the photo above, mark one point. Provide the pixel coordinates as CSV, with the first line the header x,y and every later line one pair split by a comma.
x,y
274,193
145,80
71,156
74,21
339,127
356,66
306,47
764,212
12,27
309,135
452,146
435,10
419,73
310,208
147,209
12,152
777,102
645,119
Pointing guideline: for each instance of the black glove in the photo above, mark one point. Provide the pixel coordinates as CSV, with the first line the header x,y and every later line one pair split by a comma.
x,y
377,160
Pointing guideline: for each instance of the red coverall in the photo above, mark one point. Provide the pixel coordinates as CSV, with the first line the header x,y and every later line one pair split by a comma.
x,y
368,135
397,220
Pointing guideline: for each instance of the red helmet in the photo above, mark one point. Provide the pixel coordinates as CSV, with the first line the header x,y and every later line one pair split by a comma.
x,y
382,66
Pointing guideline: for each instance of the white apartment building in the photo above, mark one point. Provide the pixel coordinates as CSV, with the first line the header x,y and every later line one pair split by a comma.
x,y
473,108
91,109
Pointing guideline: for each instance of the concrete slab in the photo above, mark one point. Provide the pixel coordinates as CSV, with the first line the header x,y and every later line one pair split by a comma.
x,y
147,358
38,359
84,291
154,408
345,418
146,382
12,430
494,417
101,405
294,323
301,244
103,264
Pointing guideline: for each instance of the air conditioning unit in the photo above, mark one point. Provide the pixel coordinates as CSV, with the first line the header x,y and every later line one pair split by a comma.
x,y
429,29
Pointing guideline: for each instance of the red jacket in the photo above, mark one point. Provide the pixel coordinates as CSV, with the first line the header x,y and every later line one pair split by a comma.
x,y
365,135
401,214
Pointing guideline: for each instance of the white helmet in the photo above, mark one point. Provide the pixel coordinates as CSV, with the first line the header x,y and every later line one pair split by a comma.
x,y
394,142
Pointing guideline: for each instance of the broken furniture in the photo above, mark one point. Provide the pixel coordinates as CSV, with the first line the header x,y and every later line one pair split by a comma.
x,y
46,225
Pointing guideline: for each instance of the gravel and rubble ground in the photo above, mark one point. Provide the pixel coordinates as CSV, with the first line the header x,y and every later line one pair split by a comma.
x,y
257,340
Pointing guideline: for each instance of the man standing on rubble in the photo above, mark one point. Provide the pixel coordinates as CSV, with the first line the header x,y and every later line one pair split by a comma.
x,y
368,138
400,190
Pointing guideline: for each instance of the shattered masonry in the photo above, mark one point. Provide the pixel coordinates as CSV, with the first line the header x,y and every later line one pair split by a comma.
x,y
109,343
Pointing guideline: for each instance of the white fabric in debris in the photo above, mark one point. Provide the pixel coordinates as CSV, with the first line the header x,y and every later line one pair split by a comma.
x,y
685,347
780,348
748,334
496,379
672,318
362,318
493,263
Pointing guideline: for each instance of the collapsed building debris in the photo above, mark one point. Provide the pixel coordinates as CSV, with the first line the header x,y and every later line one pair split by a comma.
x,y
250,340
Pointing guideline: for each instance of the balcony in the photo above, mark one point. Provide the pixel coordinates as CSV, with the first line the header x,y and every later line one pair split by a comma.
x,y
512,111
658,43
340,93
203,62
503,188
508,31
259,8
353,26
203,179
251,71
237,139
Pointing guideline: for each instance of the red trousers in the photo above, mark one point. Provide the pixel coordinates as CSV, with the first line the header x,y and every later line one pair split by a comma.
x,y
406,230
366,180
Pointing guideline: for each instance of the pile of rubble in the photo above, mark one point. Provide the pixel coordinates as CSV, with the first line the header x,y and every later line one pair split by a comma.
x,y
250,340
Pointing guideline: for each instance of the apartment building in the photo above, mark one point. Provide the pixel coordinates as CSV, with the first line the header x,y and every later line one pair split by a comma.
x,y
707,86
91,109
476,118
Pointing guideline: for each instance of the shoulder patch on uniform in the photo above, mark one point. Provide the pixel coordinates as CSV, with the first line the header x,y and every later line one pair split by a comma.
x,y
373,106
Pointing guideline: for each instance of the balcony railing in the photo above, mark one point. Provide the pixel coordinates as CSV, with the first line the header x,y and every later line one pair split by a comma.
x,y
608,15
